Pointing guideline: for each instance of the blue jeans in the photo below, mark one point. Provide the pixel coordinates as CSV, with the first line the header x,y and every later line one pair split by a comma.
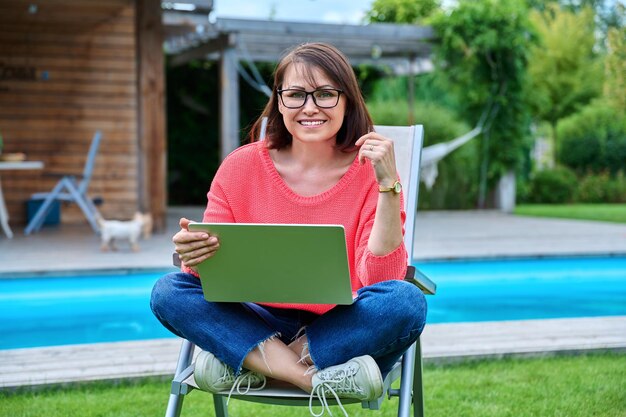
x,y
384,320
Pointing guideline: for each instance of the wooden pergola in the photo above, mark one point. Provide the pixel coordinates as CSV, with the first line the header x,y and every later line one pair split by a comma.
x,y
193,36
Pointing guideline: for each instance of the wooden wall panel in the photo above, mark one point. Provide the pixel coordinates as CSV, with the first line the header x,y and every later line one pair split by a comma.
x,y
66,71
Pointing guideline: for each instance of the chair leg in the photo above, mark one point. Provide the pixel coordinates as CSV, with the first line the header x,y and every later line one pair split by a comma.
x,y
39,217
221,409
406,383
185,356
418,383
89,210
174,405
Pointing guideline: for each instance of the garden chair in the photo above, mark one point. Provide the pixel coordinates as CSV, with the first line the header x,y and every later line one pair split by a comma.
x,y
408,147
70,189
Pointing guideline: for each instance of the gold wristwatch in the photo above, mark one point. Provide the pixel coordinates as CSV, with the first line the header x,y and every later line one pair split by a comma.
x,y
396,188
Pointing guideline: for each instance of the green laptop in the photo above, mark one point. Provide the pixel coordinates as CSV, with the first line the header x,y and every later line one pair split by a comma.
x,y
276,263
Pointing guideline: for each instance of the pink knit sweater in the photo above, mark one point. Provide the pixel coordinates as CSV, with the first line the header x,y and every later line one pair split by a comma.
x,y
248,189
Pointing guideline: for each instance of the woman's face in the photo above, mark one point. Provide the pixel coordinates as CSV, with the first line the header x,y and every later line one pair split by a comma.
x,y
311,123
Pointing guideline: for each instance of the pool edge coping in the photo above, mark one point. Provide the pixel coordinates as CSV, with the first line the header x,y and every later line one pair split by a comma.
x,y
138,269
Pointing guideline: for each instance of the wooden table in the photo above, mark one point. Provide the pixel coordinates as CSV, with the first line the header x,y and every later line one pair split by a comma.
x,y
13,166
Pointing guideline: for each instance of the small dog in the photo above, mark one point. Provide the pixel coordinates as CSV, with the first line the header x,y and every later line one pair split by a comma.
x,y
110,230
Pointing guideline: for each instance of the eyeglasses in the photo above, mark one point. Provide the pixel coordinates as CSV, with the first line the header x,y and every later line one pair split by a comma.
x,y
324,98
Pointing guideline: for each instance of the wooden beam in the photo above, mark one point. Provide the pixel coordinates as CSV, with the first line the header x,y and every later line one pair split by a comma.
x,y
229,102
265,47
266,41
376,31
151,112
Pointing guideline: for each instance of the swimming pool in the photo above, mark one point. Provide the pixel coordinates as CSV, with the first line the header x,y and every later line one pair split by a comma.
x,y
492,290
102,308
90,308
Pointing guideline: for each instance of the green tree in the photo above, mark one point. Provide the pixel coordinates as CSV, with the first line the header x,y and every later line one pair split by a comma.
x,y
608,13
401,11
615,69
484,51
564,71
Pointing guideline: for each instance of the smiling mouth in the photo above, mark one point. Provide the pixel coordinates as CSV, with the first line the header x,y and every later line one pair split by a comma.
x,y
312,122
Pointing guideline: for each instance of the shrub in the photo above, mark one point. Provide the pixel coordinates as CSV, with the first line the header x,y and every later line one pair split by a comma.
x,y
617,189
457,182
522,191
593,189
552,186
593,140
602,189
615,155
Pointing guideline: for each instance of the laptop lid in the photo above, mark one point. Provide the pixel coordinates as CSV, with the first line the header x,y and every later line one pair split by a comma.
x,y
276,263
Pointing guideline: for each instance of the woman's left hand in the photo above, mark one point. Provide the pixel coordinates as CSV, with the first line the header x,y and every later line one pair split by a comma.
x,y
379,150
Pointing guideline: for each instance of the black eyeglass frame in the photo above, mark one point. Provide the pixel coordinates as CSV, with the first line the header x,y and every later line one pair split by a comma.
x,y
306,96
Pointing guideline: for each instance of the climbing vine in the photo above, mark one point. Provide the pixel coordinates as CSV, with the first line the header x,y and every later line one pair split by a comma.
x,y
483,50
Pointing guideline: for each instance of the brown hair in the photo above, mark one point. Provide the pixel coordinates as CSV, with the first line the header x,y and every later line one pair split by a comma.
x,y
334,64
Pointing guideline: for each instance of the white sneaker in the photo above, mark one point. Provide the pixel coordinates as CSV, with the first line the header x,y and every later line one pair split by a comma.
x,y
214,376
359,378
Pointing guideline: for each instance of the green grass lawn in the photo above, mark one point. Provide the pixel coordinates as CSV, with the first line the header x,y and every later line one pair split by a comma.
x,y
567,386
615,213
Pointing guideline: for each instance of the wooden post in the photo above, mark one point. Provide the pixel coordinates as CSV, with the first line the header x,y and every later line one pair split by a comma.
x,y
229,101
151,112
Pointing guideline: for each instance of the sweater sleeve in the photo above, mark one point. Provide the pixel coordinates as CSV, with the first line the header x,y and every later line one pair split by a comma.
x,y
231,182
217,209
372,268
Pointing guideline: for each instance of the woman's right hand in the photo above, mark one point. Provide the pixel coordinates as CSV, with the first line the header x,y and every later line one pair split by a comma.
x,y
194,247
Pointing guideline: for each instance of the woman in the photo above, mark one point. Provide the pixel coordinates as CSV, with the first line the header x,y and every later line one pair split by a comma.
x,y
321,163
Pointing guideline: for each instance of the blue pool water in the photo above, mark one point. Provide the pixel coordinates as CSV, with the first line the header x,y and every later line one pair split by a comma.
x,y
526,289
77,309
97,308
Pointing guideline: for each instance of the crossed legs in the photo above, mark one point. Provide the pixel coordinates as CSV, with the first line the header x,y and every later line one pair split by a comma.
x,y
280,361
262,339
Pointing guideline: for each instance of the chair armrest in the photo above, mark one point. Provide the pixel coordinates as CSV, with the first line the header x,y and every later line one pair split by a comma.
x,y
417,277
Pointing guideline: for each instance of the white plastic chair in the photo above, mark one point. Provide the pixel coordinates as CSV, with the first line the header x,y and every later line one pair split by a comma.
x,y
70,189
408,146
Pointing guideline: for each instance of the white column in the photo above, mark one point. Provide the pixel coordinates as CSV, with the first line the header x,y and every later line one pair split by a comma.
x,y
505,192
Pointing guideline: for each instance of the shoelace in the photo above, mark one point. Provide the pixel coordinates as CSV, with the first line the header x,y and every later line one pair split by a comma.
x,y
320,392
340,381
248,378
